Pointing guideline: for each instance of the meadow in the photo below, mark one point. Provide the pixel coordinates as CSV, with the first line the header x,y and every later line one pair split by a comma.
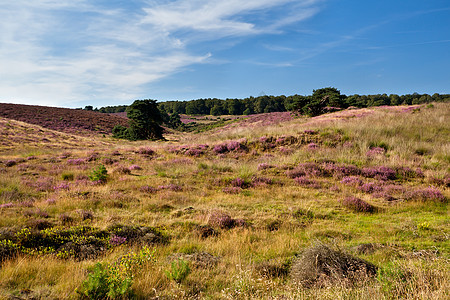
x,y
347,205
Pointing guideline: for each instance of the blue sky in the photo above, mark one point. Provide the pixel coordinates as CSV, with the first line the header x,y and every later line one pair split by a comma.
x,y
73,53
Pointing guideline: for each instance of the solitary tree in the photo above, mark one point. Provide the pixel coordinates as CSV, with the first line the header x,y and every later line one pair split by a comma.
x,y
145,122
323,98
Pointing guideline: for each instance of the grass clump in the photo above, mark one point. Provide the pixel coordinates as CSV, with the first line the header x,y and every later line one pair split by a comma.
x,y
178,271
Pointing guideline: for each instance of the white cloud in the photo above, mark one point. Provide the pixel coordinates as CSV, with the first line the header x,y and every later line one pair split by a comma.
x,y
57,52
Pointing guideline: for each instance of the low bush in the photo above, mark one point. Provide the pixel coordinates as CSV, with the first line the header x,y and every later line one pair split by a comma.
x,y
111,281
178,271
67,176
358,205
99,174
320,265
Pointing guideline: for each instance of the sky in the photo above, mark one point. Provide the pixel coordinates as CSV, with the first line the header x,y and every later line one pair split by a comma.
x,y
73,53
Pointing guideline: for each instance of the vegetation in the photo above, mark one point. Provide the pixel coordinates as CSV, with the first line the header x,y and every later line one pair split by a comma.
x,y
349,205
310,105
145,120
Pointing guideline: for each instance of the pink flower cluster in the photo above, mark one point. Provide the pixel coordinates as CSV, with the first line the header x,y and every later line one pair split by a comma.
x,y
376,151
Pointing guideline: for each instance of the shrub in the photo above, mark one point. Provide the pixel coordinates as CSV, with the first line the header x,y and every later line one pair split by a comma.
x,y
221,220
108,161
376,151
240,183
381,173
121,132
10,163
308,169
110,281
96,285
134,167
76,161
7,249
258,181
307,182
67,176
179,270
122,170
312,146
146,151
320,264
371,187
61,186
99,174
220,148
86,214
264,166
352,181
65,219
358,205
171,187
148,189
116,240
430,193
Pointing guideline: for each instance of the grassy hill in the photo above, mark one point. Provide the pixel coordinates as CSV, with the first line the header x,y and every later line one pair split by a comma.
x,y
348,205
62,119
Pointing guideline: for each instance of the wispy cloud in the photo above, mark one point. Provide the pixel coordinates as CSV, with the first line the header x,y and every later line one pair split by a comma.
x,y
57,52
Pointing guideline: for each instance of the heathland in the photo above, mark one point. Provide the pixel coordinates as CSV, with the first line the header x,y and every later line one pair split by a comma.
x,y
347,205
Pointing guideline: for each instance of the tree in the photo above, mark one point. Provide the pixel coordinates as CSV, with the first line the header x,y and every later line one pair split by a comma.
x,y
322,98
233,106
217,110
145,121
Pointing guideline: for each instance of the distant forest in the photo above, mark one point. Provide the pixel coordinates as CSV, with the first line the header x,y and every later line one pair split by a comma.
x,y
267,104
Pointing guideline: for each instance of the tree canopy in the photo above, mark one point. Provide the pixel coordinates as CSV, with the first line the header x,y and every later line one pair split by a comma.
x,y
145,122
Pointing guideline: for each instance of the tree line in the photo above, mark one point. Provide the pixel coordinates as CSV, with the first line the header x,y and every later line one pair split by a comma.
x,y
309,105
146,117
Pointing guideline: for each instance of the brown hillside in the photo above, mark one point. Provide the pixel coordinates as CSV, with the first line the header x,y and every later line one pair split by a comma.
x,y
67,120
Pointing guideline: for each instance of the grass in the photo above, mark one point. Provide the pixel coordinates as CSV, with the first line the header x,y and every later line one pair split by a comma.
x,y
170,201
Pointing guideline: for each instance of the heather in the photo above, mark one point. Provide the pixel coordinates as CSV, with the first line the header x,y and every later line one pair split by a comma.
x,y
343,205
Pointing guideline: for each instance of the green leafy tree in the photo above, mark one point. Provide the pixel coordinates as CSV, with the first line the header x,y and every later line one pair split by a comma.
x,y
145,120
217,110
323,98
233,106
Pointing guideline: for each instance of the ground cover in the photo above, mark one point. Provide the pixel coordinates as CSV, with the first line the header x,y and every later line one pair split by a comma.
x,y
349,205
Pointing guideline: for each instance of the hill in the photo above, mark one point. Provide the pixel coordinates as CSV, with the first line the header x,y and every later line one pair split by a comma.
x,y
16,135
75,121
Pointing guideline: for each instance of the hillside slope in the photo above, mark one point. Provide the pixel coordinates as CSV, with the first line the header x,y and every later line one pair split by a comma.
x,y
16,135
67,120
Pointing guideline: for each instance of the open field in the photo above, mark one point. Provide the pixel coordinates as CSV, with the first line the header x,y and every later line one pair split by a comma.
x,y
348,205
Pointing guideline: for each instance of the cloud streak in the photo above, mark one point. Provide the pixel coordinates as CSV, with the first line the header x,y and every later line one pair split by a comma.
x,y
63,52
